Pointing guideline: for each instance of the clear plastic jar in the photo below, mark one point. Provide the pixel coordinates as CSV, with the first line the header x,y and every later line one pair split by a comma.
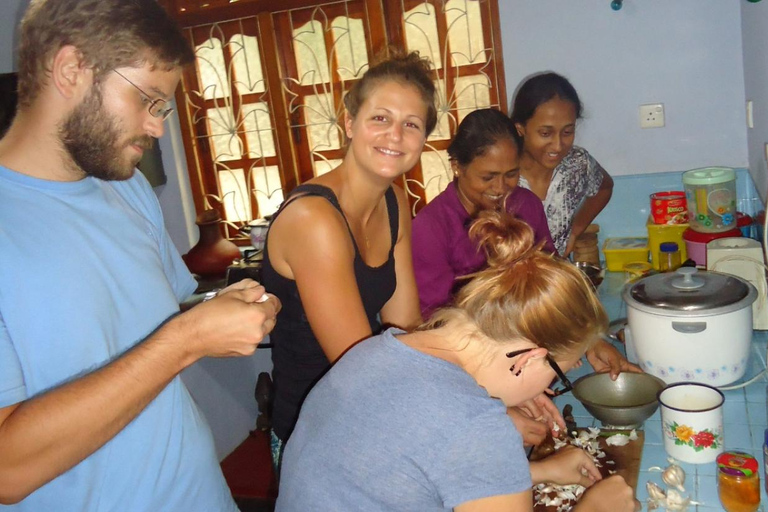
x,y
738,482
669,257
711,198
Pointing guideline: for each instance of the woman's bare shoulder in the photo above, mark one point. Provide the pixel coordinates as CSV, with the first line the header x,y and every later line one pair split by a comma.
x,y
309,216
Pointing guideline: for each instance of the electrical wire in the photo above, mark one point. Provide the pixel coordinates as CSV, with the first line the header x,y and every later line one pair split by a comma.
x,y
743,384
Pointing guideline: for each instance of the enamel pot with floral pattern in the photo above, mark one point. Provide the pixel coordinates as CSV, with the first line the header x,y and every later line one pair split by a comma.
x,y
692,421
691,326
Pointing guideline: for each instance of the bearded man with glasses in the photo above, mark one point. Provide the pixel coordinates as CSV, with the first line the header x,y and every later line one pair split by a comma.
x,y
93,413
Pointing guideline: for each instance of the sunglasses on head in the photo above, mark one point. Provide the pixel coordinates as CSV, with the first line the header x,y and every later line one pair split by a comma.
x,y
566,384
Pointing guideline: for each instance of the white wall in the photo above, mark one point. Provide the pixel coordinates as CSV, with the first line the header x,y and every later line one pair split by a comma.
x,y
754,23
686,54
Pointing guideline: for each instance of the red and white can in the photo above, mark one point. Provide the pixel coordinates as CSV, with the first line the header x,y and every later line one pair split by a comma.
x,y
669,207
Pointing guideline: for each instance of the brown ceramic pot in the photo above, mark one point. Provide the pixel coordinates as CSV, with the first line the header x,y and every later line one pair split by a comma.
x,y
213,253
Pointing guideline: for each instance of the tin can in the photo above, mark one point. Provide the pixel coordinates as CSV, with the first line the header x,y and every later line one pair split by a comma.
x,y
669,207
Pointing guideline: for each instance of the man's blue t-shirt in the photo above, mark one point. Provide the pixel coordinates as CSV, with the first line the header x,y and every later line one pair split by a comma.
x,y
390,428
87,271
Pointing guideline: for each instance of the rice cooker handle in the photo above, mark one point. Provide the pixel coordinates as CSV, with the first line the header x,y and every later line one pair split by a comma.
x,y
686,279
689,327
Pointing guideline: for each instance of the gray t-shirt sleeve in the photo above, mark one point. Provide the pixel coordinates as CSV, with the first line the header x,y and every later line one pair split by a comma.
x,y
485,460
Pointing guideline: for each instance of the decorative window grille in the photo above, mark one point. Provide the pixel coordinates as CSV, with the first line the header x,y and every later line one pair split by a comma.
x,y
262,111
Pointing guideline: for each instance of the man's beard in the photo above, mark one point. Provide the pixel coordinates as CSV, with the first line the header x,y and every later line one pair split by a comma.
x,y
91,137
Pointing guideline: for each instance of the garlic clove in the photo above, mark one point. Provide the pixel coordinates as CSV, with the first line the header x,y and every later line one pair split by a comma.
x,y
617,440
674,476
655,492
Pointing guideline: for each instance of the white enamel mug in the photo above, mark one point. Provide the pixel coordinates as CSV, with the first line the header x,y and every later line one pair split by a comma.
x,y
692,421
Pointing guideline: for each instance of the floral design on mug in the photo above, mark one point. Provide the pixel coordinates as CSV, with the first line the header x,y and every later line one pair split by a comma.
x,y
684,435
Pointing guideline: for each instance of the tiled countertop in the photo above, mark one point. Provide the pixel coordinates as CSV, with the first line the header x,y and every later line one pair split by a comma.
x,y
744,414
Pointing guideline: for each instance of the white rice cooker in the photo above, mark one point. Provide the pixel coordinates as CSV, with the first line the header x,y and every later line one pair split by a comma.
x,y
691,325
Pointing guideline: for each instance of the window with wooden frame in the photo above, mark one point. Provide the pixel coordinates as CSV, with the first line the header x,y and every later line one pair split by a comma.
x,y
262,111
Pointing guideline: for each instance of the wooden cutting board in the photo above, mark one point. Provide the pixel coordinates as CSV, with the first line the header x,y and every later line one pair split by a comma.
x,y
627,460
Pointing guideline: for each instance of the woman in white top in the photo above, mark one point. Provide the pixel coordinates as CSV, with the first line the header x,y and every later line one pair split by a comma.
x,y
572,185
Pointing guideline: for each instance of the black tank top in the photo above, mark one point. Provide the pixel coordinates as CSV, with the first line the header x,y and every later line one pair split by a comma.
x,y
298,360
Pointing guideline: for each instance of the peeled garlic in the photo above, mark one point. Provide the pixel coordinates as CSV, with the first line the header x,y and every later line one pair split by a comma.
x,y
617,440
676,502
674,476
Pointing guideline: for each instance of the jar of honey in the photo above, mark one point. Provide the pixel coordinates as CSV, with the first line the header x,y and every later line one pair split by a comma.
x,y
738,482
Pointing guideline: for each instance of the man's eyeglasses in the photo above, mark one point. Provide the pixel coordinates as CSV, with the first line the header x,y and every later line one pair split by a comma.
x,y
156,107
567,386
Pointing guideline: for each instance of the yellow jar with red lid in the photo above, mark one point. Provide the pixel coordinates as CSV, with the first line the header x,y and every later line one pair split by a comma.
x,y
738,482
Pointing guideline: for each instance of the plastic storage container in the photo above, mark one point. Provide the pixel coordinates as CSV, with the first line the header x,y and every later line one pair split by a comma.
x,y
620,251
711,195
659,233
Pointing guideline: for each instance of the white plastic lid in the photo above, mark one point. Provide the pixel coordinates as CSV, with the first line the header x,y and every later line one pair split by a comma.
x,y
709,176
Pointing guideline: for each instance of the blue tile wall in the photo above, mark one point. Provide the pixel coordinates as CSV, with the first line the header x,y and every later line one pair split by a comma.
x,y
628,210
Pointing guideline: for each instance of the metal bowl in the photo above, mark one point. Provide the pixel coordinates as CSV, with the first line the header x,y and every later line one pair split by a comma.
x,y
624,403
594,273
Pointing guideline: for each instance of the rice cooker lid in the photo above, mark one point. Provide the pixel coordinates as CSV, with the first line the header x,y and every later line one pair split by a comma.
x,y
690,291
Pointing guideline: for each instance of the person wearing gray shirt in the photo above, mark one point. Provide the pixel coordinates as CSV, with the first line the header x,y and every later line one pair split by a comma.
x,y
418,422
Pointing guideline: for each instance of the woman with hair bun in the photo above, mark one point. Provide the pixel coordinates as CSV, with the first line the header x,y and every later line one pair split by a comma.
x,y
484,156
417,421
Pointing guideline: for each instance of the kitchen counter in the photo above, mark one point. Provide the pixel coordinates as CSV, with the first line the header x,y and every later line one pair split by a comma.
x,y
745,418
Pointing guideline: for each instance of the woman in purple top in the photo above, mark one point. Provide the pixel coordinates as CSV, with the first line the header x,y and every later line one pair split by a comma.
x,y
484,158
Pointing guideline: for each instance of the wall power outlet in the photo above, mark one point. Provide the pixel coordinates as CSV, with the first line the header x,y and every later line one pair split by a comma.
x,y
652,116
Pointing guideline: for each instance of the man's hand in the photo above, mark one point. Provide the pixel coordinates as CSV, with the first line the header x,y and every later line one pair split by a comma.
x,y
604,357
231,324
